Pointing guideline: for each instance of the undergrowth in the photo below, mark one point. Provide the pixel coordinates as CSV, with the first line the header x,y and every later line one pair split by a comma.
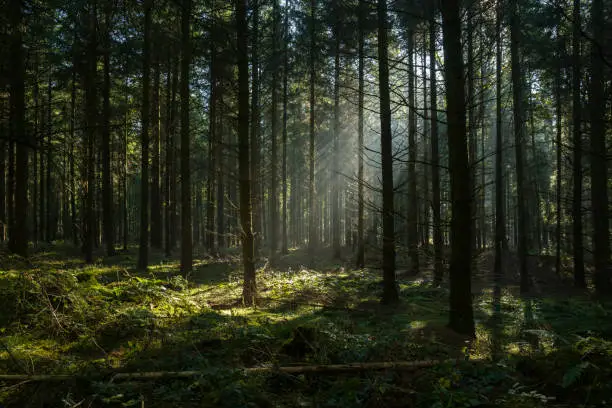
x,y
60,316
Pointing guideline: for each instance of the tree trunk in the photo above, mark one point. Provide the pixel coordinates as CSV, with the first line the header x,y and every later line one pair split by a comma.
x,y
273,221
156,210
284,243
518,102
254,142
500,219
91,113
412,218
599,170
312,227
559,150
186,238
579,274
249,289
143,249
390,294
438,239
360,175
107,181
461,317
335,179
19,233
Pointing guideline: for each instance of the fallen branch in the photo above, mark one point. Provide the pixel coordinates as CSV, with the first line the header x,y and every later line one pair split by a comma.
x,y
314,369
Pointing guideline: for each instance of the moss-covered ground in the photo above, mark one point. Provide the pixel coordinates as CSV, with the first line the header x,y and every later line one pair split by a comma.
x,y
60,316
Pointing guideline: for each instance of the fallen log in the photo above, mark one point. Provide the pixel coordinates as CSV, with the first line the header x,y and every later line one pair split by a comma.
x,y
309,369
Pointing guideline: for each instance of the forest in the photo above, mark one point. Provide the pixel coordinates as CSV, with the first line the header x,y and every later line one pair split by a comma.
x,y
305,203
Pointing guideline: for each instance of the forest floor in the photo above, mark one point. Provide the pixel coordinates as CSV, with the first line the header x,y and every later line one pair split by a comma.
x,y
60,316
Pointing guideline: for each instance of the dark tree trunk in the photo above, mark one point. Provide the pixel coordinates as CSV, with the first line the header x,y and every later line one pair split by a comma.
x,y
412,216
284,243
186,238
72,158
212,126
335,178
156,209
390,294
171,215
254,136
107,181
360,175
500,219
143,249
559,151
273,206
461,317
599,170
91,114
250,288
579,274
312,223
19,233
438,239
518,103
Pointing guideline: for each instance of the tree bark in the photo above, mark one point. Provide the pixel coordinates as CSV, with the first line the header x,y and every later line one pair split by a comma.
x,y
143,249
412,216
186,237
390,294
518,102
19,233
156,210
579,274
91,113
599,170
312,227
438,239
284,239
107,181
249,290
360,152
461,317
255,130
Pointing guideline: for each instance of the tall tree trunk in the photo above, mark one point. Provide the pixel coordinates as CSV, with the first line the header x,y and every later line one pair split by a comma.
x,y
171,160
249,289
471,124
186,238
284,244
212,126
360,152
438,239
599,170
143,249
559,150
335,179
38,213
49,209
461,317
390,294
255,131
412,218
579,274
107,181
156,209
312,217
518,102
91,113
500,219
71,157
19,233
273,221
